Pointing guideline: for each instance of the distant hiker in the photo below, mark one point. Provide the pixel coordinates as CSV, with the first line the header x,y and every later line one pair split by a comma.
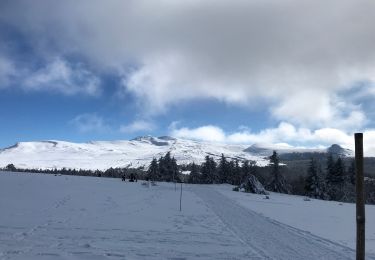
x,y
123,177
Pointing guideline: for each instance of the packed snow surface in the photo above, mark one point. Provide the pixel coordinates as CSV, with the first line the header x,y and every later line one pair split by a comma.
x,y
70,217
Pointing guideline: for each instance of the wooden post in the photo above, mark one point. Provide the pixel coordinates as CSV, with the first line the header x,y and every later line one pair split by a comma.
x,y
181,196
360,198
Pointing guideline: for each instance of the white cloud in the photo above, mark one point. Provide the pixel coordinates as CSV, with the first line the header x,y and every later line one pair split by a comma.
x,y
206,133
7,71
60,76
137,126
232,51
89,123
285,134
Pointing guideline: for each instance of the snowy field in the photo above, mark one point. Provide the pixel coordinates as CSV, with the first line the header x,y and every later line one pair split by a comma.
x,y
68,217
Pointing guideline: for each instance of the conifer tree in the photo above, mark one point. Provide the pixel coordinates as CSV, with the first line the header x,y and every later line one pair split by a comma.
x,y
351,172
245,171
209,170
168,168
335,178
194,176
339,171
253,171
236,173
278,182
330,168
153,170
313,185
223,170
162,168
230,172
174,170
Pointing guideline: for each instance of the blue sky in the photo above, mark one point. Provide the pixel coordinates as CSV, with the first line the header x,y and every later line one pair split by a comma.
x,y
29,116
243,72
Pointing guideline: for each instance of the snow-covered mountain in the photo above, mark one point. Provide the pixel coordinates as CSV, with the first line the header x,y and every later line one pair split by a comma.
x,y
134,153
104,154
287,150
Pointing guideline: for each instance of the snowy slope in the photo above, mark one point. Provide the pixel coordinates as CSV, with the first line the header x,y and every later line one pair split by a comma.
x,y
105,154
72,217
134,153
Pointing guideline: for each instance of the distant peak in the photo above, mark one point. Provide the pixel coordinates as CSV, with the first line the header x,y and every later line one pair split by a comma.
x,y
142,138
334,148
167,138
12,146
338,150
158,141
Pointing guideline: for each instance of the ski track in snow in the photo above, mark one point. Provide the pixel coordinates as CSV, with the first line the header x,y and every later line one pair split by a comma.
x,y
270,239
61,217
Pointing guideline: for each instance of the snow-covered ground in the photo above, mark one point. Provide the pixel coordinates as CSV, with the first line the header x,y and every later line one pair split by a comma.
x,y
331,220
69,217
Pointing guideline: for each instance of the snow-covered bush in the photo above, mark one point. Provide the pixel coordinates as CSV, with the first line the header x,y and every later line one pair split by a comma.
x,y
252,185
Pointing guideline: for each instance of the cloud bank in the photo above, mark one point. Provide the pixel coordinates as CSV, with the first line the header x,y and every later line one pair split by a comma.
x,y
60,76
285,132
297,57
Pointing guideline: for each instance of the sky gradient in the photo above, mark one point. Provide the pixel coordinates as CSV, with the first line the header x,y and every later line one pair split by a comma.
x,y
290,71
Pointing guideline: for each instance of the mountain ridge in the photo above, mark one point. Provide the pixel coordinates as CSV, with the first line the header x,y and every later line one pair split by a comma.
x,y
138,152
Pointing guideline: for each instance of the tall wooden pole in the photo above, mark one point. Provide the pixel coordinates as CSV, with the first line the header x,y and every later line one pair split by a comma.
x,y
360,198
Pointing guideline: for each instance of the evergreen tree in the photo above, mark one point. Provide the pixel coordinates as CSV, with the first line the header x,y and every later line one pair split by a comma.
x,y
10,167
174,169
153,170
335,178
339,171
330,168
245,171
223,170
348,185
209,170
236,173
351,172
168,168
278,182
313,183
194,176
231,172
253,171
162,168
206,170
169,172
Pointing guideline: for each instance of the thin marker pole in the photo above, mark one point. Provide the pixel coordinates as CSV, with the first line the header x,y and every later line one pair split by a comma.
x,y
181,196
360,198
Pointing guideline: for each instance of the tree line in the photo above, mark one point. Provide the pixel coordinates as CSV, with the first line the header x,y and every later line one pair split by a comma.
x,y
328,179
227,171
335,182
332,181
110,172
